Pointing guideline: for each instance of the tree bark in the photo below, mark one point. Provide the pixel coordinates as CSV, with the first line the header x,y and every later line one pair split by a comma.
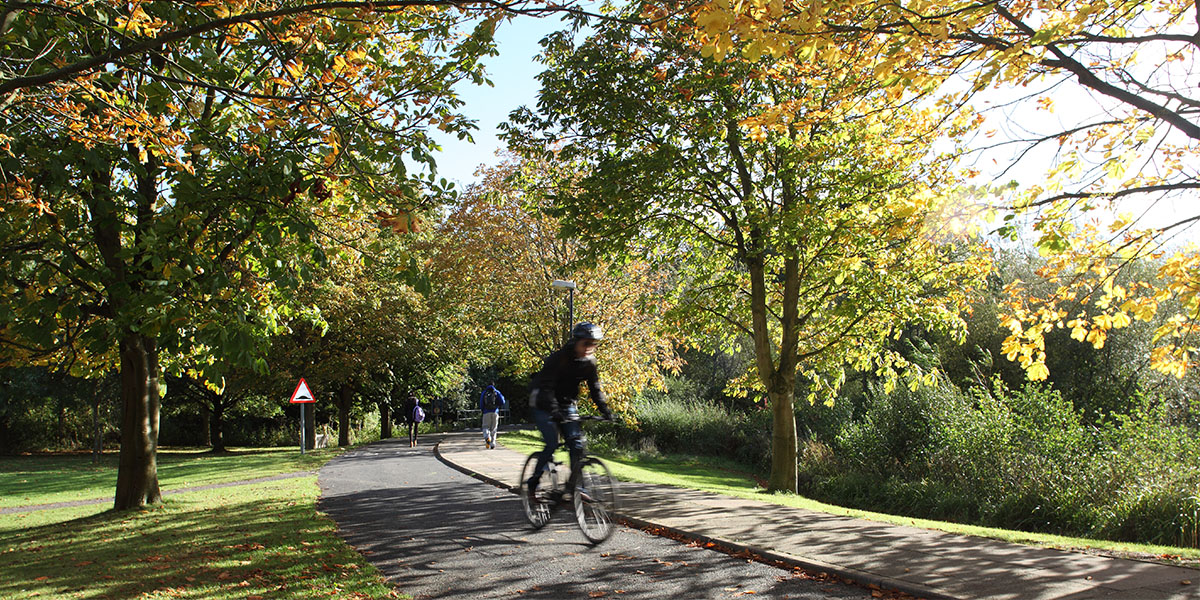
x,y
206,424
345,395
62,424
137,473
784,476
97,434
778,378
217,427
385,419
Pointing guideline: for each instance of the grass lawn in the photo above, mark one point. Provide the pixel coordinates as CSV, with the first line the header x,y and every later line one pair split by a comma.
x,y
724,477
263,540
43,479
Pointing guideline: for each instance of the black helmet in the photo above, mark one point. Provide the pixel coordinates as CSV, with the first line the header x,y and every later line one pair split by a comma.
x,y
587,331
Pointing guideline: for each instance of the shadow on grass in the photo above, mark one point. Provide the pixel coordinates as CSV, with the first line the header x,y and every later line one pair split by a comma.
x,y
260,541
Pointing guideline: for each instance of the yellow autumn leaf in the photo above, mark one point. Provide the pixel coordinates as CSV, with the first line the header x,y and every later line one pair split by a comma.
x,y
1037,371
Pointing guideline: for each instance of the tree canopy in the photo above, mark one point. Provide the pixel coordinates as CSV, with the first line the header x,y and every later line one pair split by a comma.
x,y
1136,148
498,251
815,237
158,212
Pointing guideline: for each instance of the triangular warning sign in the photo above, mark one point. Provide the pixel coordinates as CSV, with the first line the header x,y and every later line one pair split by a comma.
x,y
302,393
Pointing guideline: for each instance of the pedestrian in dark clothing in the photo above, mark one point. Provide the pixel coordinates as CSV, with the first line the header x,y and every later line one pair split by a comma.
x,y
414,415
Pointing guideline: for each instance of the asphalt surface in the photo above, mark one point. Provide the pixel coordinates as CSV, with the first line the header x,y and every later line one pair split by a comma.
x,y
437,533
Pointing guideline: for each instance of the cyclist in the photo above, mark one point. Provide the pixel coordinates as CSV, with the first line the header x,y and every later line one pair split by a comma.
x,y
553,395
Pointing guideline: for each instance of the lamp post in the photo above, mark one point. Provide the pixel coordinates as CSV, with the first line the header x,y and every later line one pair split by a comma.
x,y
563,284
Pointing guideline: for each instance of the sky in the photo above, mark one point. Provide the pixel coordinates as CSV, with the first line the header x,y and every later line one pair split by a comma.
x,y
513,73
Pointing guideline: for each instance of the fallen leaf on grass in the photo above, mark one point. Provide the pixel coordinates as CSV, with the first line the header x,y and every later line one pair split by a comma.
x,y
597,594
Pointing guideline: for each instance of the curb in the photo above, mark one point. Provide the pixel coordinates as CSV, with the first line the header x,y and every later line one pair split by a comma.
x,y
855,576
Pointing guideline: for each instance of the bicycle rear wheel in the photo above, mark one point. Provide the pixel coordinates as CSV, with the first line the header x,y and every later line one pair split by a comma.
x,y
537,512
595,500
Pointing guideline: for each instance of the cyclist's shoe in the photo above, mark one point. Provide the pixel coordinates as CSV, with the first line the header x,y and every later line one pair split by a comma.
x,y
584,496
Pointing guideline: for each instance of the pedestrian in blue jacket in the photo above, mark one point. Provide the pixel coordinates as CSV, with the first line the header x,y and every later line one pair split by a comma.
x,y
490,403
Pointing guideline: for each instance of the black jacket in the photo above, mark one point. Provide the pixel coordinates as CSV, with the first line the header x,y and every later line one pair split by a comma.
x,y
556,386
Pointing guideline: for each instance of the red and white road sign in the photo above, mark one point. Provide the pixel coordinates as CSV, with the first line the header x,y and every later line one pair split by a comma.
x,y
302,393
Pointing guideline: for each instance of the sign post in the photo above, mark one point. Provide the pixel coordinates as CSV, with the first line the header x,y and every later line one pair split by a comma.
x,y
302,396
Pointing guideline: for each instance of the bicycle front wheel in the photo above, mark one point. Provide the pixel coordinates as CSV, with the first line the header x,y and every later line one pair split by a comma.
x,y
537,510
595,500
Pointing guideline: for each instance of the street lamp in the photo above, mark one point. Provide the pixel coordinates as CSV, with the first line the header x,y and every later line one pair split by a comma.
x,y
563,284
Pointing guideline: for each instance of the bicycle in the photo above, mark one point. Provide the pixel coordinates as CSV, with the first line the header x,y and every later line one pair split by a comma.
x,y
594,498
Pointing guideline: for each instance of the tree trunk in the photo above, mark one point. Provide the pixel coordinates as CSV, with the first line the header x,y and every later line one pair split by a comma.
x,y
137,474
345,395
62,424
778,374
385,419
784,476
217,429
206,425
97,434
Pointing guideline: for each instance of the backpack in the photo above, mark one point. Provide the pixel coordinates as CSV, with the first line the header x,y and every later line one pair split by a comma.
x,y
418,414
489,399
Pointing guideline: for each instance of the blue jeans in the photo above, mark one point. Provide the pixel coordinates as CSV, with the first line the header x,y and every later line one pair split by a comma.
x,y
572,435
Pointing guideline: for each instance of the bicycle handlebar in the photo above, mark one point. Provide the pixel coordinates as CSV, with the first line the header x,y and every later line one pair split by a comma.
x,y
580,418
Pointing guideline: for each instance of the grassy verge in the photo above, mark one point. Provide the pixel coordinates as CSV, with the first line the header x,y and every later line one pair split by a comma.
x,y
43,479
723,477
244,542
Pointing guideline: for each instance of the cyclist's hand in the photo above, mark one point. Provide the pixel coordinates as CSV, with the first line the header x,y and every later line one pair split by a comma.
x,y
556,416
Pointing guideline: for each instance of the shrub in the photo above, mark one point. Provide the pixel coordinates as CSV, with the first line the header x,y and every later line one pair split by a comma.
x,y
669,425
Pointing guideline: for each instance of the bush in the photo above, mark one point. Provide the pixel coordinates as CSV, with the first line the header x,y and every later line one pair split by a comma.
x,y
1025,459
668,425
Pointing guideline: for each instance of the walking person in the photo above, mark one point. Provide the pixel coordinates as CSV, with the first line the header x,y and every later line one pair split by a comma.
x,y
414,414
490,403
554,393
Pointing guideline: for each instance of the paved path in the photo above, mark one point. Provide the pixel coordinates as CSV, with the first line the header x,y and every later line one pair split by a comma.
x,y
925,563
437,533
